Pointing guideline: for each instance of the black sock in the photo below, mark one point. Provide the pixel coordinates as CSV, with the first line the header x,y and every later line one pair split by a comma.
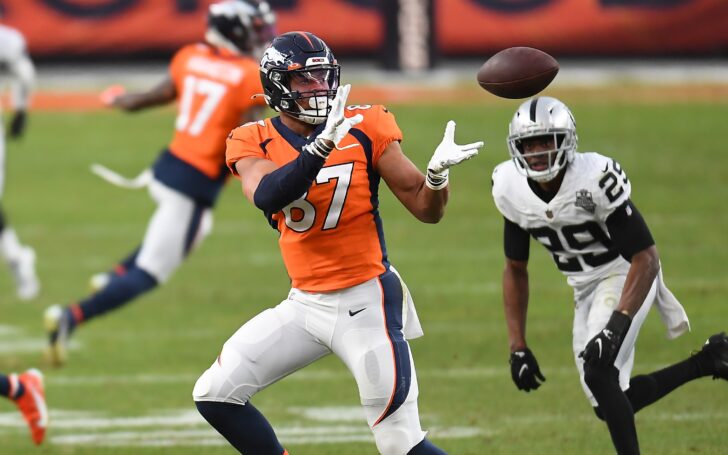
x,y
243,426
120,290
646,389
425,447
614,407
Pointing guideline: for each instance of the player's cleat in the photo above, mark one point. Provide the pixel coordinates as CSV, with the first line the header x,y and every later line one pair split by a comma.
x,y
32,404
23,268
717,349
58,327
99,281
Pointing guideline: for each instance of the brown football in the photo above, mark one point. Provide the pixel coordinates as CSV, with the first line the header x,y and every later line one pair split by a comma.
x,y
518,72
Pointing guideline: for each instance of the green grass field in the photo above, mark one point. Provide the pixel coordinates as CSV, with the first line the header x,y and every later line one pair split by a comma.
x,y
127,387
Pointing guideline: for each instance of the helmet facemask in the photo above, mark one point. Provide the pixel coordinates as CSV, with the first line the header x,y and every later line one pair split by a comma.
x,y
309,106
543,117
556,158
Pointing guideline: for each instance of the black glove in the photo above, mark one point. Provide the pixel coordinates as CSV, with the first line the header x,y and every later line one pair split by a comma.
x,y
17,125
525,371
601,350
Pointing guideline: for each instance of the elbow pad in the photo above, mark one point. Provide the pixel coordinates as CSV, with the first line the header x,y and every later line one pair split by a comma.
x,y
287,183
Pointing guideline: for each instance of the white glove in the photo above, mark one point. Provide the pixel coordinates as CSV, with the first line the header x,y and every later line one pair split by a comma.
x,y
337,125
446,155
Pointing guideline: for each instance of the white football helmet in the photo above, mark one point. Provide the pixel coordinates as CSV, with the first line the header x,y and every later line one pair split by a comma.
x,y
543,116
241,26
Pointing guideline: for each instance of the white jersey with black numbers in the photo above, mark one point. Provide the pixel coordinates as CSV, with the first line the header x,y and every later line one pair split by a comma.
x,y
572,226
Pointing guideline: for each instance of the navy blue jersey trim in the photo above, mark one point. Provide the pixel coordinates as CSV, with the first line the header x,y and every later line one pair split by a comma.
x,y
296,141
393,303
193,227
374,179
187,179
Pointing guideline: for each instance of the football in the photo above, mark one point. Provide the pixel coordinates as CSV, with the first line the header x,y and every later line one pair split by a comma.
x,y
518,72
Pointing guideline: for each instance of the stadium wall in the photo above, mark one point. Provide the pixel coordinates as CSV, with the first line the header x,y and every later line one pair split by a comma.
x,y
111,28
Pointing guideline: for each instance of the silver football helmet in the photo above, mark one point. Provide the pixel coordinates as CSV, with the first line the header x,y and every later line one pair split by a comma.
x,y
241,26
543,116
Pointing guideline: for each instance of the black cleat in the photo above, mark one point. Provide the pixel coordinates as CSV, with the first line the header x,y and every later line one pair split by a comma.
x,y
716,348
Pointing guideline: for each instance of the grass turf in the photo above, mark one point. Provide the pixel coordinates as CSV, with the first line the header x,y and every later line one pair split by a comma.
x,y
143,360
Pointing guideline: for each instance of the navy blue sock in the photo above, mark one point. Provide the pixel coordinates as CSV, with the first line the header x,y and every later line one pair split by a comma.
x,y
5,388
127,264
120,290
425,447
244,427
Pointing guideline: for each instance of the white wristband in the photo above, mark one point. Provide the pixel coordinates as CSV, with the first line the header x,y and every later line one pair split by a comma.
x,y
436,182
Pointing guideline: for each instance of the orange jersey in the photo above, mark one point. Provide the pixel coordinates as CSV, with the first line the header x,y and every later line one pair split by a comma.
x,y
214,89
332,237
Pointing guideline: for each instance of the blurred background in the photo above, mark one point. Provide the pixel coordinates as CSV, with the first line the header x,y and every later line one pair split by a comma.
x,y
79,42
647,81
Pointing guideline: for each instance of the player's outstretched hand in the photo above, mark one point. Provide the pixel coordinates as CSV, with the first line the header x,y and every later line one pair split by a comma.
x,y
602,350
446,155
110,95
17,124
337,124
525,371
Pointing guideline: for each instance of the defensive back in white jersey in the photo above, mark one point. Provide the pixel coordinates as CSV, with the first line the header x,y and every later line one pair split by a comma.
x,y
572,226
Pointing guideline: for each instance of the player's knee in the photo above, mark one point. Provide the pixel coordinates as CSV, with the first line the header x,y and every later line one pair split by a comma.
x,y
600,379
598,413
393,441
215,385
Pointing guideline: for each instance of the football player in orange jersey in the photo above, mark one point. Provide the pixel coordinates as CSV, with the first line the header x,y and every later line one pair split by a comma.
x,y
315,171
214,82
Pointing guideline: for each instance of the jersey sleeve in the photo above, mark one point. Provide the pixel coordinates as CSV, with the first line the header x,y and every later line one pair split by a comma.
x,y
500,193
379,125
176,66
612,188
242,143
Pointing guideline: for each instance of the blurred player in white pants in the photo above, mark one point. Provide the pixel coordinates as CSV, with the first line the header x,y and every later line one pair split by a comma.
x,y
16,69
214,84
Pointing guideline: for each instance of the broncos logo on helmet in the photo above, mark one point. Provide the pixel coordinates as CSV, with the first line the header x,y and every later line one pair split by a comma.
x,y
300,56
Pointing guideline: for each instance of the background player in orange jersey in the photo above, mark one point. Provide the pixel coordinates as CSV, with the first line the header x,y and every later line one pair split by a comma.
x,y
315,171
214,83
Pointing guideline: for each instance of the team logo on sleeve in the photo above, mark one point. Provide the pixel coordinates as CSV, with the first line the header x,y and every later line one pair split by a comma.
x,y
585,201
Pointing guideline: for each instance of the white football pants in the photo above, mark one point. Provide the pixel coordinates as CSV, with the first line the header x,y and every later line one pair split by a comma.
x,y
361,325
593,309
177,226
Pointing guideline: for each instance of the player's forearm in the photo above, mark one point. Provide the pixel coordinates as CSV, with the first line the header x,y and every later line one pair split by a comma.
x,y
642,273
287,183
431,204
515,304
136,101
24,73
163,93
